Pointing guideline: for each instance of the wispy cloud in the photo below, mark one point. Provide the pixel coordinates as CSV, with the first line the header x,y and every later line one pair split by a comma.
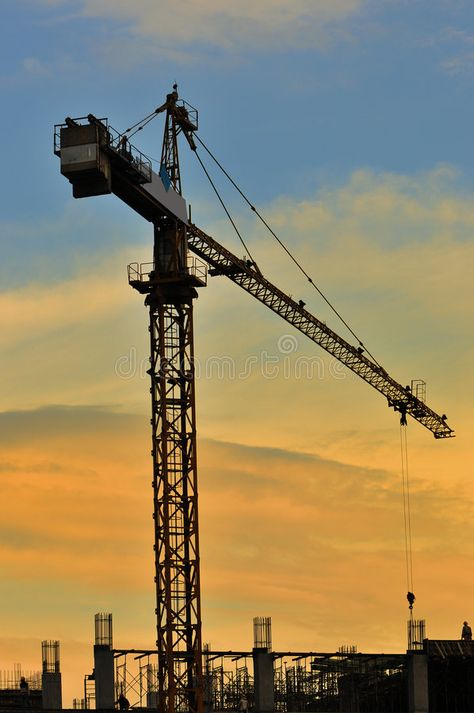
x,y
35,66
396,233
36,310
35,69
230,26
394,253
457,47
462,64
280,530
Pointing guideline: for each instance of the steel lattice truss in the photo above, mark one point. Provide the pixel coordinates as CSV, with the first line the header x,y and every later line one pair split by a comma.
x,y
169,154
175,506
223,262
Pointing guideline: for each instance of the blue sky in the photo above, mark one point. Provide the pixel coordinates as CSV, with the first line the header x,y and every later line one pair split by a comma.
x,y
388,85
381,85
349,124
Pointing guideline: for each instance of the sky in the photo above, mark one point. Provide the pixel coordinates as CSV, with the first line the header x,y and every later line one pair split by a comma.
x,y
349,125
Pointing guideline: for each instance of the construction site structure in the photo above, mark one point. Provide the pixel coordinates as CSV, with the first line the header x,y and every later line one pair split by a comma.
x,y
98,160
431,676
20,689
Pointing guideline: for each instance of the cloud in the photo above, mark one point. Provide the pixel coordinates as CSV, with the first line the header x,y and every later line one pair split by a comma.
x,y
282,532
392,251
32,70
35,66
61,498
456,45
54,327
229,26
462,64
37,309
383,233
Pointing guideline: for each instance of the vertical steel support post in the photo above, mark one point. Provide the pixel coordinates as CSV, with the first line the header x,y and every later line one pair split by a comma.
x,y
170,289
175,500
169,154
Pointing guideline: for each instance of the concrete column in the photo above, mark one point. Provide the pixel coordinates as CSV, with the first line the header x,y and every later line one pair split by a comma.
x,y
52,691
51,677
104,677
263,681
418,696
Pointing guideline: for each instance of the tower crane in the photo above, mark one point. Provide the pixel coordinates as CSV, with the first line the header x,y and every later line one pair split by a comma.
x,y
98,160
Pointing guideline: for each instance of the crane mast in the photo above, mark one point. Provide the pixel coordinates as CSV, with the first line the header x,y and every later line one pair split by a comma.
x,y
169,287
98,160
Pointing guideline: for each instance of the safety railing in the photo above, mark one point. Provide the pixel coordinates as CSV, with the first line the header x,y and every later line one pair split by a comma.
x,y
140,272
120,144
197,268
145,271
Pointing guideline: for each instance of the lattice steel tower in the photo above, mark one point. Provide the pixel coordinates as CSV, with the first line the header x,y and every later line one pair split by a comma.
x,y
170,290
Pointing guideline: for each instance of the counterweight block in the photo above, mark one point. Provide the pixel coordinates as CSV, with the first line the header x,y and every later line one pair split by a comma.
x,y
83,161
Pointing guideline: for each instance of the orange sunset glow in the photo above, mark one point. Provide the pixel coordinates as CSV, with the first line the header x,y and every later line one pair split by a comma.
x,y
299,461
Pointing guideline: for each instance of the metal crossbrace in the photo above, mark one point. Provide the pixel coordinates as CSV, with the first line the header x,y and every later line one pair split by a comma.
x,y
175,508
223,262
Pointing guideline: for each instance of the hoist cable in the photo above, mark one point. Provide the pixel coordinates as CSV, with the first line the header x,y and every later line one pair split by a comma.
x,y
407,479
407,568
142,125
406,507
147,118
282,244
227,212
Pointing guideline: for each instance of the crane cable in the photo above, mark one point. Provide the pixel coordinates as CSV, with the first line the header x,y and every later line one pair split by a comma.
x,y
139,125
407,516
403,427
143,123
282,244
227,212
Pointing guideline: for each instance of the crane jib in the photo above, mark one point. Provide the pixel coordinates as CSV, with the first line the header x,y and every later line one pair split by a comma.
x,y
96,161
223,262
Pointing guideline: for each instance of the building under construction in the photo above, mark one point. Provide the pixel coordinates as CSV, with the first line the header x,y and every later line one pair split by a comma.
x,y
432,676
180,675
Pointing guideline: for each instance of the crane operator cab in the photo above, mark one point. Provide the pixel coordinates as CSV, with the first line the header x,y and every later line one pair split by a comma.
x,y
89,150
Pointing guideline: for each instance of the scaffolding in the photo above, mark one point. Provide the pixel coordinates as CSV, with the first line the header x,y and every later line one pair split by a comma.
x,y
10,680
228,681
20,688
89,692
344,680
136,677
331,682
